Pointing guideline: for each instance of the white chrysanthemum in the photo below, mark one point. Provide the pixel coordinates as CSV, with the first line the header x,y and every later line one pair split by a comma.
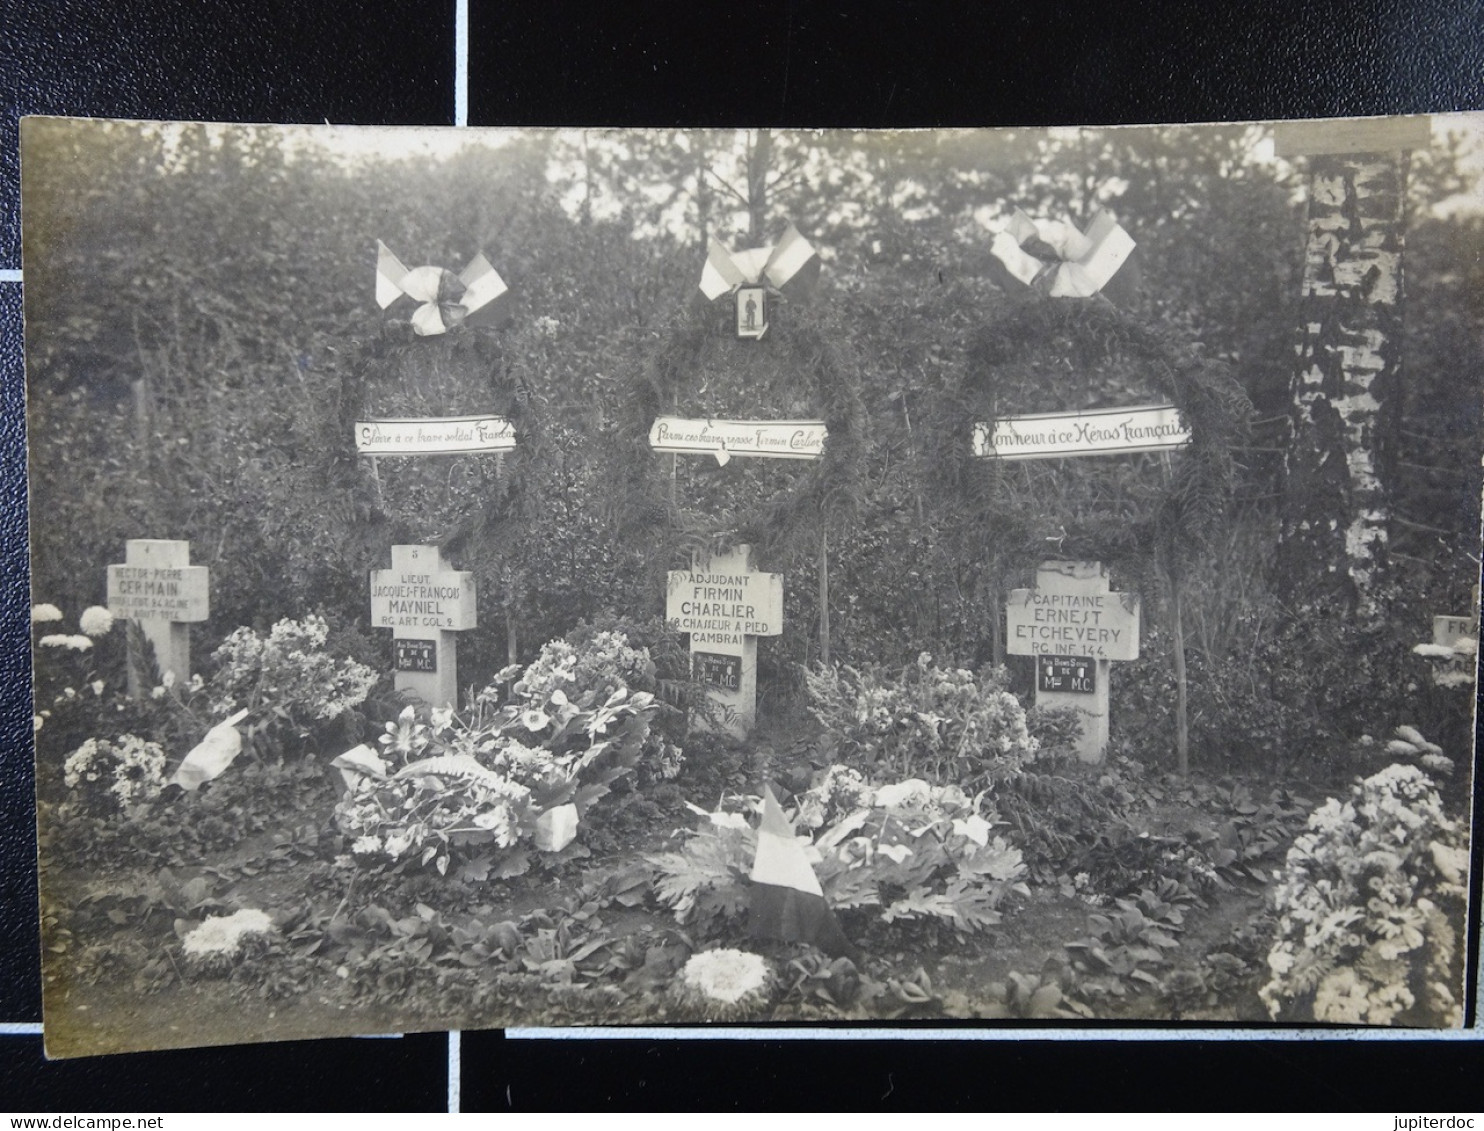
x,y
224,934
726,976
41,614
77,643
95,621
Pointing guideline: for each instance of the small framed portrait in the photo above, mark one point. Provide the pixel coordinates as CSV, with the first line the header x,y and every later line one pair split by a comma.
x,y
752,312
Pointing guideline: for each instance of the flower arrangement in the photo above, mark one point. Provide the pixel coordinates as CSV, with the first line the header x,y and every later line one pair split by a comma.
x,y
580,674
840,791
289,670
942,724
1366,906
915,851
904,851
213,946
602,665
425,816
117,774
725,985
476,788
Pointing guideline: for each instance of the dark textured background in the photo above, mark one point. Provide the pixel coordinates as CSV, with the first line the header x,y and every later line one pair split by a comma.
x,y
865,62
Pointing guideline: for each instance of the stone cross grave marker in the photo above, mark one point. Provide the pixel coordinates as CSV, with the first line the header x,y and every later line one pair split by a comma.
x,y
1074,626
725,604
424,604
158,589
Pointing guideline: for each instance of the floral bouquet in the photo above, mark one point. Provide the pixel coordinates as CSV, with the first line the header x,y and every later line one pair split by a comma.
x,y
116,775
1366,906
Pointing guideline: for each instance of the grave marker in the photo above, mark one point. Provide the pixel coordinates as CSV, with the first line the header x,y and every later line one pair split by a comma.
x,y
424,604
158,589
1459,668
725,604
1074,626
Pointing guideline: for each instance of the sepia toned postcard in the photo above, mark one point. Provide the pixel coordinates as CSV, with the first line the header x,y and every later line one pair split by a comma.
x,y
491,578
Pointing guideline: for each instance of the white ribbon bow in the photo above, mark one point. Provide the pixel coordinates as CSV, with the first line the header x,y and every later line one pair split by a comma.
x,y
792,257
444,299
1066,263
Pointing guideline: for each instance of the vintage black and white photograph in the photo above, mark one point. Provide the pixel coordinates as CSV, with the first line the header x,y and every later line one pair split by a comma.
x,y
490,578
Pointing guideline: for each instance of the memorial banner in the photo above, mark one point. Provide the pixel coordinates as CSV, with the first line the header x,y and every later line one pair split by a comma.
x,y
434,436
1099,431
776,439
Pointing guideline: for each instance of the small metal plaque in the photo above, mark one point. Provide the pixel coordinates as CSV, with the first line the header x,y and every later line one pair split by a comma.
x,y
1066,673
416,655
717,670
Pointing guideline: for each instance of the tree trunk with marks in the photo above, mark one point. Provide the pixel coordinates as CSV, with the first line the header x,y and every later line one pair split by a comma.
x,y
1345,402
759,157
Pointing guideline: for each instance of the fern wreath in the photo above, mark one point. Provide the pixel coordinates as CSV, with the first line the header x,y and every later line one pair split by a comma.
x,y
802,372
465,372
1085,335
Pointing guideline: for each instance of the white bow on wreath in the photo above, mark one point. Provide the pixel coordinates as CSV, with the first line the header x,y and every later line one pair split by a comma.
x,y
443,299
1053,257
792,260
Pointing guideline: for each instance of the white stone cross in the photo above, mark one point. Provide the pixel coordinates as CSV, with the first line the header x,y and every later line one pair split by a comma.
x,y
159,590
1074,626
725,604
424,604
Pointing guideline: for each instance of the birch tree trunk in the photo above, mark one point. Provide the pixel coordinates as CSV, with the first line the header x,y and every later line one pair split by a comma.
x,y
1345,399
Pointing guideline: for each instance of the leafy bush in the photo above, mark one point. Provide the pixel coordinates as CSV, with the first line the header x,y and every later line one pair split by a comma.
x,y
1127,945
941,724
180,828
705,882
1289,686
1364,906
1055,729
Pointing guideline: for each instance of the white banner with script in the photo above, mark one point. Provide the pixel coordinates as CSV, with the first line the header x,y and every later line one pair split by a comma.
x,y
434,435
1096,432
776,439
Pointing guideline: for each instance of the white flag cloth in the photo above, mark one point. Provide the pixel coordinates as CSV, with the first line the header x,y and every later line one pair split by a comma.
x,y
556,828
210,757
359,762
791,260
